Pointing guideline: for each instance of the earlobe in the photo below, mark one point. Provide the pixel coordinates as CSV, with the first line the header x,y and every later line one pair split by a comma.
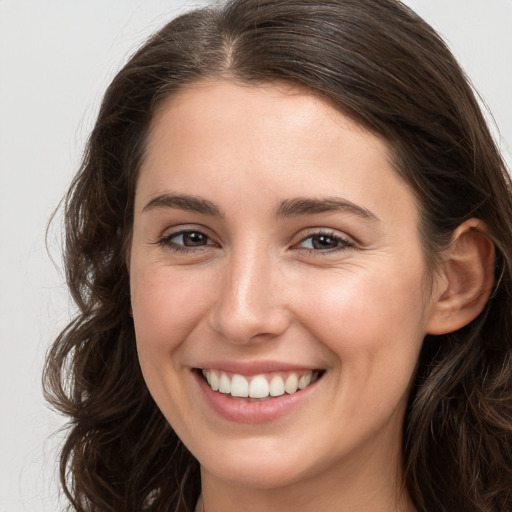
x,y
465,280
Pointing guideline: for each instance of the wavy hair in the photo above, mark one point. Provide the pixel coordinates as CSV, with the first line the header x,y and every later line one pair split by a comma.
x,y
380,64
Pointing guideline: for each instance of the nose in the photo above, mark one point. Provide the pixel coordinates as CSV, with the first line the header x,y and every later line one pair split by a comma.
x,y
251,300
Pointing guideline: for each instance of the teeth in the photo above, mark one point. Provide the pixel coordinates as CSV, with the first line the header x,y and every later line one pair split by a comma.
x,y
224,384
240,386
258,386
305,380
291,384
276,386
214,381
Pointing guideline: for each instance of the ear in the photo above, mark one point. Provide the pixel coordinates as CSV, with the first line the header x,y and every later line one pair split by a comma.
x,y
464,281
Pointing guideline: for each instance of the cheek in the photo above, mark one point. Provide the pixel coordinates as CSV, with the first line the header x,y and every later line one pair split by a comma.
x,y
373,322
167,305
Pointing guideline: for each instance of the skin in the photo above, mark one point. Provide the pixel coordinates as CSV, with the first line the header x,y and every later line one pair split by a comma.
x,y
259,289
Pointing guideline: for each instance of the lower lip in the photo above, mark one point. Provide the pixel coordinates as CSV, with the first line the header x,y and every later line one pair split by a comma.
x,y
241,411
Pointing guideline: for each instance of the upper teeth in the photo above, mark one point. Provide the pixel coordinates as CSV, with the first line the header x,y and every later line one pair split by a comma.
x,y
258,386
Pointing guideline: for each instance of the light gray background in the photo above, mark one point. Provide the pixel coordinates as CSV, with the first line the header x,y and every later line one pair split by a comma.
x,y
56,58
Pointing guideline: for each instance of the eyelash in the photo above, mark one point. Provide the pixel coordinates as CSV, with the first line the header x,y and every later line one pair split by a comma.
x,y
342,243
167,242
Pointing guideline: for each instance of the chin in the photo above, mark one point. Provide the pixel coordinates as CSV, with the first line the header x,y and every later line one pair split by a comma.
x,y
257,466
264,476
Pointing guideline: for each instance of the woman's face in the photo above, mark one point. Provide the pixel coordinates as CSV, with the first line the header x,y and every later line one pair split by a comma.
x,y
273,244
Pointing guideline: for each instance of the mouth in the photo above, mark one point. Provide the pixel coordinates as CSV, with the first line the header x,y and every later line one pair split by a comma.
x,y
261,387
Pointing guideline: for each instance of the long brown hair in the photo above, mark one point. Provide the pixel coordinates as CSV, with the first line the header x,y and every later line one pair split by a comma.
x,y
378,62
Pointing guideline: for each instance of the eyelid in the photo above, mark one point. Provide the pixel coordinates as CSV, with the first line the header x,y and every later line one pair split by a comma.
x,y
164,240
347,241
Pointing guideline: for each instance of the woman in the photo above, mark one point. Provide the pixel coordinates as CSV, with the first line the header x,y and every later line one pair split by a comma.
x,y
290,243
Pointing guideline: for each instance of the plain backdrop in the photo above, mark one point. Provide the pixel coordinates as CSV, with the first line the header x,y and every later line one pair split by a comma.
x,y
56,58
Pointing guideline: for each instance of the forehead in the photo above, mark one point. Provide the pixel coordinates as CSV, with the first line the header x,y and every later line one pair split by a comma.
x,y
279,111
268,140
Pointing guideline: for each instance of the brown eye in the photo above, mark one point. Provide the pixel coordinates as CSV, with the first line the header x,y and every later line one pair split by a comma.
x,y
189,239
185,240
324,242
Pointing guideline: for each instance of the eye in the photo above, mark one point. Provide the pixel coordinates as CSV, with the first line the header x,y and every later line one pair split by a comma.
x,y
189,239
184,240
325,242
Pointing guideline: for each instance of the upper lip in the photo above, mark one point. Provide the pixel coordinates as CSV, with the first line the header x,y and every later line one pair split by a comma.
x,y
255,367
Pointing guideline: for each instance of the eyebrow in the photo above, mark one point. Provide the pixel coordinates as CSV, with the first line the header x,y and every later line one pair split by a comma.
x,y
307,206
184,202
288,208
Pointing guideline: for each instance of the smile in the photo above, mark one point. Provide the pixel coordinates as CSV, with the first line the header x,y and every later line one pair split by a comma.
x,y
261,386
